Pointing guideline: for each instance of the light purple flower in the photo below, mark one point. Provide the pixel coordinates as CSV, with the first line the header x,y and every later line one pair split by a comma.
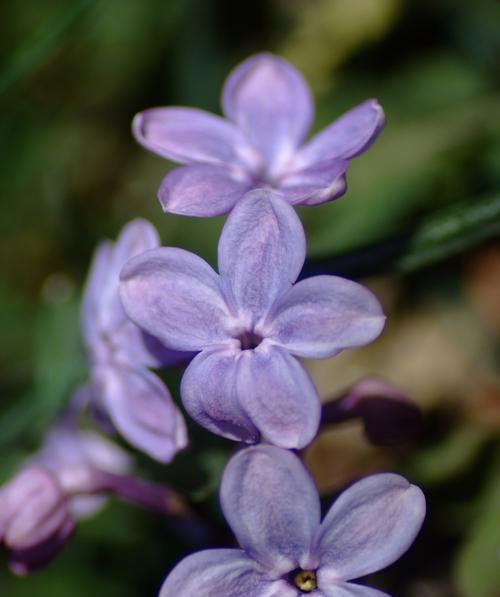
x,y
273,508
269,111
35,521
136,401
248,320
69,479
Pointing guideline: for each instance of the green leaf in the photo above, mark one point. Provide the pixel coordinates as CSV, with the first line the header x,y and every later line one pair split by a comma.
x,y
478,566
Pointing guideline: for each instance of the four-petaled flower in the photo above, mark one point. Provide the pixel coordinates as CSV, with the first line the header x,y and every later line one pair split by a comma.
x,y
269,110
248,321
272,506
122,388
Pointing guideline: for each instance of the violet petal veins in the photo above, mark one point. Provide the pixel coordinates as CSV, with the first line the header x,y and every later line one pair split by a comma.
x,y
269,110
135,400
272,506
248,320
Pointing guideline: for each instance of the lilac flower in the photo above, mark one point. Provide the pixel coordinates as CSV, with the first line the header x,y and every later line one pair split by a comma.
x,y
137,402
272,506
35,521
248,321
67,480
269,111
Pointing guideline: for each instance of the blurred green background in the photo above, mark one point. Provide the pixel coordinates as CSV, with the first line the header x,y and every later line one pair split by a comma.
x,y
420,223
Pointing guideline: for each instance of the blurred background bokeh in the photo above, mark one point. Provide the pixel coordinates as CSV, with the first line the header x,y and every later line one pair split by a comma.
x,y
420,225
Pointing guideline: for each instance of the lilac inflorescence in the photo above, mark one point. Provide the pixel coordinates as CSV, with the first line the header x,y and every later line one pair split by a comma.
x,y
269,111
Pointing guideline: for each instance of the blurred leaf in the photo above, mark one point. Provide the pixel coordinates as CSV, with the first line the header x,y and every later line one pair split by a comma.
x,y
438,236
35,49
478,566
452,231
59,363
449,457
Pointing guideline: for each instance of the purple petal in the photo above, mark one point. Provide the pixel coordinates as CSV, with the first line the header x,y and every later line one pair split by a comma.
x,y
102,308
175,296
347,589
278,396
317,184
143,411
323,315
261,252
66,447
271,503
271,103
33,508
202,190
224,572
346,138
97,279
208,392
24,561
370,526
188,135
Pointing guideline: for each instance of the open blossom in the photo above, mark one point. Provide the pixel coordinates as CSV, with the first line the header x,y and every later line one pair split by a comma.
x,y
248,321
273,508
269,110
135,400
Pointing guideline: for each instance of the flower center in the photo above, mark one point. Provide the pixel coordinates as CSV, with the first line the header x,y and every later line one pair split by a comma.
x,y
249,340
305,580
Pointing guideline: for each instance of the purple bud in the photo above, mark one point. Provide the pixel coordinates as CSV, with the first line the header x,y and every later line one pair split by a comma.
x,y
388,415
33,509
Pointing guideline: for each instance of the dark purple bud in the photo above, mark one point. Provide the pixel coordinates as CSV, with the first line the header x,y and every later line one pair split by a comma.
x,y
388,415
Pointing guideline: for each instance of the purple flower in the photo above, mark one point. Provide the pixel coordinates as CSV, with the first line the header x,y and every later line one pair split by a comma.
x,y
248,321
136,401
35,521
273,508
67,480
269,111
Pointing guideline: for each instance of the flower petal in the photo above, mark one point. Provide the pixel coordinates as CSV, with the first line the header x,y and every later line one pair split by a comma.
x,y
224,572
317,184
271,103
175,296
322,315
370,526
347,589
102,309
24,561
96,280
261,251
188,135
346,138
33,508
279,396
270,501
202,190
143,411
208,392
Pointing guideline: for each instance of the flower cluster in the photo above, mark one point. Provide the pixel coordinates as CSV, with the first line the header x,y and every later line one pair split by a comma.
x,y
68,480
244,326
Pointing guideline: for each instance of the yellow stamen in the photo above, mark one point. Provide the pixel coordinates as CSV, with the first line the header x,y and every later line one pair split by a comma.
x,y
305,580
